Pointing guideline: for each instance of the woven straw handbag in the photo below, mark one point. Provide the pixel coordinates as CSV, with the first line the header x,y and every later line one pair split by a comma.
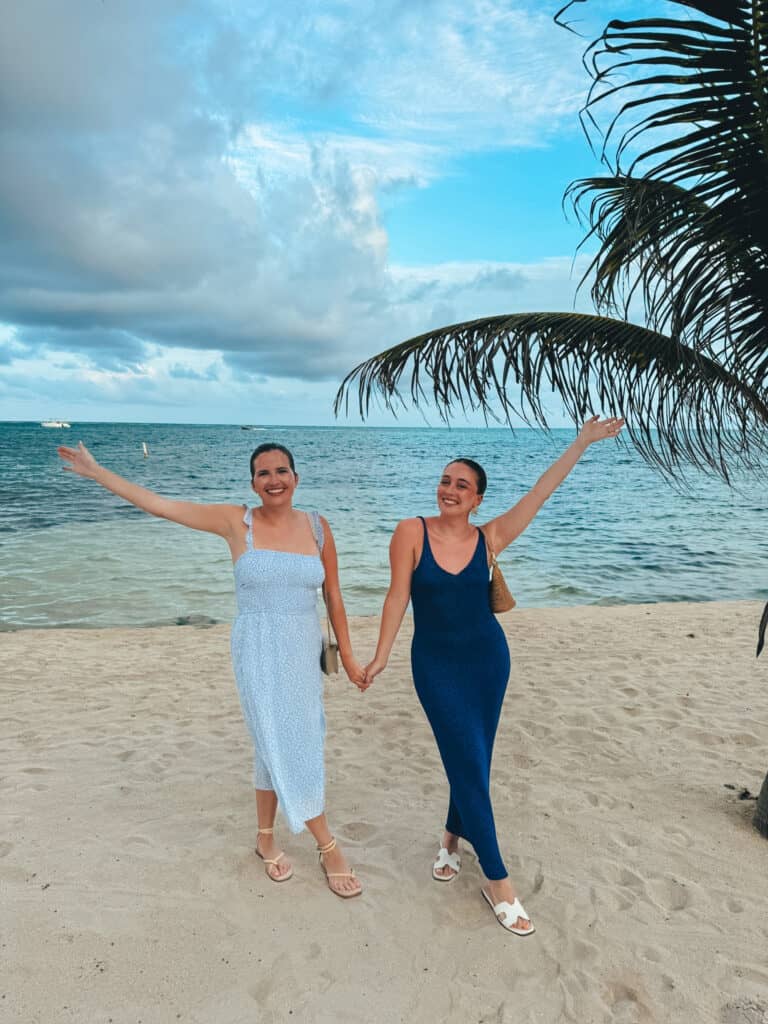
x,y
501,599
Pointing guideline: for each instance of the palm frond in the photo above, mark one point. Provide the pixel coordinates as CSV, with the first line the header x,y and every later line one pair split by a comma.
x,y
681,406
685,259
693,124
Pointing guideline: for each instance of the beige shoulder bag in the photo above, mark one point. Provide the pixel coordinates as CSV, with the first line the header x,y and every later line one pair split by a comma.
x,y
501,599
329,655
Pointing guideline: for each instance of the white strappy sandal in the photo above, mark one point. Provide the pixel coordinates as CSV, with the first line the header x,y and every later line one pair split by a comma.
x,y
446,860
326,848
511,911
270,862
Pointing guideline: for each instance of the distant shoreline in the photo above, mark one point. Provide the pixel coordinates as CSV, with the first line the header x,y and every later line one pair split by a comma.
x,y
204,622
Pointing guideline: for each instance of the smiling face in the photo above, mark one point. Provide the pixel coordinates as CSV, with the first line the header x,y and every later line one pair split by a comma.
x,y
457,493
273,479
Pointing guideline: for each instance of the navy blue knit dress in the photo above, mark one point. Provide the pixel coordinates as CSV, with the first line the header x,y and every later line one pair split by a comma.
x,y
460,664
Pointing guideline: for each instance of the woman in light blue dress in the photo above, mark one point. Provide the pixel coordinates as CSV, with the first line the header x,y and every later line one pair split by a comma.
x,y
281,558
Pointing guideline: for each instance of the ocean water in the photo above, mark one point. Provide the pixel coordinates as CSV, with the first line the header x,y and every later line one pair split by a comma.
x,y
616,532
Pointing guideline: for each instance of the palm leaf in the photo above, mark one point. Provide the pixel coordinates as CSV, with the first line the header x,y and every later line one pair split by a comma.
x,y
681,407
685,259
695,94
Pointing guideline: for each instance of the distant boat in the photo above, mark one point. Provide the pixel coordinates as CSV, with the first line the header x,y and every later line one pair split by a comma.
x,y
54,423
248,427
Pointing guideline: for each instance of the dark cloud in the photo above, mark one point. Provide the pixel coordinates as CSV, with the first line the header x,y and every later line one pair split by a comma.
x,y
122,223
105,348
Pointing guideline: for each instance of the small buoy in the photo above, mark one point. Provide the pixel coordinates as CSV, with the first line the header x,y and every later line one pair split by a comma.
x,y
145,449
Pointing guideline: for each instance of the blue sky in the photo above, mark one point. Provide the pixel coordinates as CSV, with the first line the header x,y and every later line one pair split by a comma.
x,y
210,211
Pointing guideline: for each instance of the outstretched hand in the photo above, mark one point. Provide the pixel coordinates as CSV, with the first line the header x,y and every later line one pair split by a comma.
x,y
79,460
595,429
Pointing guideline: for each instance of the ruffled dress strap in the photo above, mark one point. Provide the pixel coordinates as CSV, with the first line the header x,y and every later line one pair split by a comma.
x,y
248,520
317,529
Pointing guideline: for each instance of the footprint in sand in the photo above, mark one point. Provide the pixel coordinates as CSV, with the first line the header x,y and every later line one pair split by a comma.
x,y
744,1011
358,831
625,1005
626,839
670,894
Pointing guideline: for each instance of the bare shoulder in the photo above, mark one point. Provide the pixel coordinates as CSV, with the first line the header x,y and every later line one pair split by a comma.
x,y
488,530
234,514
408,527
407,534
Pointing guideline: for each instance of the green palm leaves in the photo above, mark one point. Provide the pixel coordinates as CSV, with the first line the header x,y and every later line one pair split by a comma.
x,y
681,226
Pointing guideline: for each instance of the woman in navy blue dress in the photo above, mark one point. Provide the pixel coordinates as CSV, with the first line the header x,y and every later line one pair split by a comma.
x,y
459,655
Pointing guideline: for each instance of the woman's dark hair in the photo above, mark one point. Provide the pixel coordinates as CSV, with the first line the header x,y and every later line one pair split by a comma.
x,y
270,447
477,469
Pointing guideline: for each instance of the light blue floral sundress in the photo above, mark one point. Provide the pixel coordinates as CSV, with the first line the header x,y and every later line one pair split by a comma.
x,y
276,643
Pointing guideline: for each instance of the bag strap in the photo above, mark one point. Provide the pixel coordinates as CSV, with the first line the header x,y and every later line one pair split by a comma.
x,y
492,564
317,533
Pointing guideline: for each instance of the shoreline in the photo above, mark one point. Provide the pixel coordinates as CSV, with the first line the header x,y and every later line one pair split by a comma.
x,y
627,737
199,621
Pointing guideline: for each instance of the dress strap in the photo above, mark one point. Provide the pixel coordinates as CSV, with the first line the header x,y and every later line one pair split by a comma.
x,y
248,520
317,529
426,547
426,544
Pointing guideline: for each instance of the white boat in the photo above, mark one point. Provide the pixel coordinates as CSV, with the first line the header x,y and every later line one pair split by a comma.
x,y
54,423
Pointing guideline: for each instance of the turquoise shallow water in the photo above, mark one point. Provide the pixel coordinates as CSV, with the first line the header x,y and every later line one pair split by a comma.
x,y
615,532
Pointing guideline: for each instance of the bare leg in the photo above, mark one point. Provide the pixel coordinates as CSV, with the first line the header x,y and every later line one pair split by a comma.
x,y
266,809
334,862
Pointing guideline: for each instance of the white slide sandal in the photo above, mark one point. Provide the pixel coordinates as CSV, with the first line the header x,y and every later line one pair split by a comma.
x,y
511,912
446,860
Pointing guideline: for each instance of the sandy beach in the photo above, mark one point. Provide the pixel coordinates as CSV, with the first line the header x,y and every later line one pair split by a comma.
x,y
131,894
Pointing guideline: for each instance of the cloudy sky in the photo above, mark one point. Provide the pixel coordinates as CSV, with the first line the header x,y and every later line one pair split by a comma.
x,y
211,210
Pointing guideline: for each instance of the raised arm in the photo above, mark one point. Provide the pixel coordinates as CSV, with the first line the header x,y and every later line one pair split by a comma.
x,y
401,554
336,610
218,519
502,530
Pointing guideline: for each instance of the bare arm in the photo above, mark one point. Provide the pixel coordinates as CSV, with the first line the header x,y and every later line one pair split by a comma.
x,y
211,518
401,554
502,530
336,610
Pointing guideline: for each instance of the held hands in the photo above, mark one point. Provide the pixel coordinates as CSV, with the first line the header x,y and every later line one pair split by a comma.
x,y
79,460
361,677
595,429
372,669
355,672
